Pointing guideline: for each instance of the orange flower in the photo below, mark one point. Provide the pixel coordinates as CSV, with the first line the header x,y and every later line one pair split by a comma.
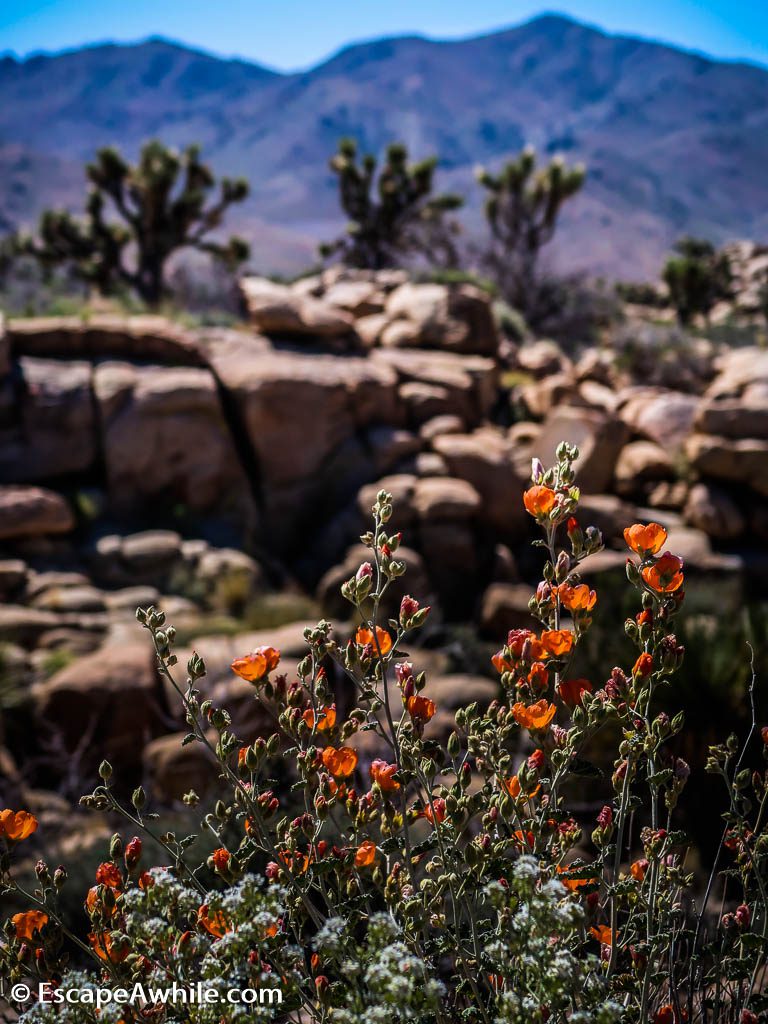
x,y
572,690
665,575
638,868
28,923
573,883
146,881
105,948
421,708
93,902
325,720
525,839
366,854
220,858
577,599
214,923
538,677
535,716
500,663
557,641
603,934
539,501
643,666
340,762
383,773
257,665
514,788
645,540
665,1014
439,811
383,643
17,825
108,874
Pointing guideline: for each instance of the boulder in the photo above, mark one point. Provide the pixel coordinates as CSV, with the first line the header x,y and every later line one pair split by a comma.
x,y
301,415
599,437
471,381
451,692
448,423
401,486
505,606
106,704
445,498
452,318
360,298
450,550
712,510
640,462
25,626
608,513
172,769
659,414
32,512
544,359
484,460
431,464
71,599
424,402
13,577
390,445
542,396
743,461
165,438
105,335
277,309
53,428
734,418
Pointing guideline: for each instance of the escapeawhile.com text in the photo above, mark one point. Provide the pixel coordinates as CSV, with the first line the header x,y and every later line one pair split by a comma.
x,y
147,995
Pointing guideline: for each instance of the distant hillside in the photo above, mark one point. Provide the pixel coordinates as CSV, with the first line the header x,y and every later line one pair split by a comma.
x,y
674,142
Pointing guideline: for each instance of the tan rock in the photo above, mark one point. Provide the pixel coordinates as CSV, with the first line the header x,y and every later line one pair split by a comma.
x,y
504,607
445,498
173,770
640,462
734,418
277,309
32,512
712,510
445,424
660,415
164,436
106,704
484,459
740,461
105,335
544,359
456,319
53,431
599,437
360,298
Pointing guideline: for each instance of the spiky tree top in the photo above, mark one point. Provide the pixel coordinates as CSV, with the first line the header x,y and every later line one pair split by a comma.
x,y
393,217
697,276
522,205
137,216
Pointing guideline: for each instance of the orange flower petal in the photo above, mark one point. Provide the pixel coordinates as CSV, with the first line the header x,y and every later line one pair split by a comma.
x,y
383,643
257,664
340,762
539,501
366,854
645,540
17,825
28,924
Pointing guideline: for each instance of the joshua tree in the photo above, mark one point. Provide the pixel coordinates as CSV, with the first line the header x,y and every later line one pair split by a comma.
x,y
395,216
522,206
697,277
157,207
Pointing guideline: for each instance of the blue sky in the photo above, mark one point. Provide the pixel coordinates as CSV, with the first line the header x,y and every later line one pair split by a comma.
x,y
289,34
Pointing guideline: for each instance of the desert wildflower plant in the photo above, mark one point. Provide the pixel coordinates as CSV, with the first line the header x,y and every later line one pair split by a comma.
x,y
396,877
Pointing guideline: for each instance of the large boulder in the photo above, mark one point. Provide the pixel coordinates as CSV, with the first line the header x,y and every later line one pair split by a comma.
x,y
105,335
505,606
32,512
639,463
164,437
445,499
734,417
302,415
53,429
484,460
106,704
712,510
173,770
277,309
659,414
453,318
599,437
743,461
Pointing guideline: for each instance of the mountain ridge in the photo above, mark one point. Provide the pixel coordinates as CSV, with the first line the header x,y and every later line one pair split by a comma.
x,y
675,142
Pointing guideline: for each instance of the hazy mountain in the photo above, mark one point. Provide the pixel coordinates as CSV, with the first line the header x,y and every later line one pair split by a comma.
x,y
674,142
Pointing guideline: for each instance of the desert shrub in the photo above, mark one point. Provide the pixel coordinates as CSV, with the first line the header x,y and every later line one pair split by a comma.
x,y
426,881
